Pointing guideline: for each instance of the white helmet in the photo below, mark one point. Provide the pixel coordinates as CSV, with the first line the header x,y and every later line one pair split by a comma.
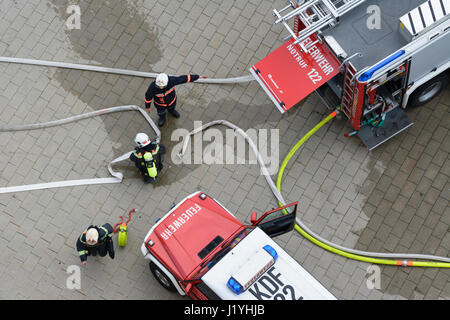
x,y
161,80
142,140
92,236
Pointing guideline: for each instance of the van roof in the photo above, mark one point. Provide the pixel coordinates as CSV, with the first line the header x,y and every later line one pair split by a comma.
x,y
285,278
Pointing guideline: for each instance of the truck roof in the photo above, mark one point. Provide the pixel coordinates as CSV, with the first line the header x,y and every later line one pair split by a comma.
x,y
284,279
187,233
353,34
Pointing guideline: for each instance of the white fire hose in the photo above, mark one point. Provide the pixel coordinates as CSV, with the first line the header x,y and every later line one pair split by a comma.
x,y
124,72
247,138
117,176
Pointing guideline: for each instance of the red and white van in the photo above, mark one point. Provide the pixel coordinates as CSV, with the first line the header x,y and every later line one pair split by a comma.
x,y
201,250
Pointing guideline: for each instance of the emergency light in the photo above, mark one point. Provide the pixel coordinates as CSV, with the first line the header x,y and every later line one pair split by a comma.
x,y
252,269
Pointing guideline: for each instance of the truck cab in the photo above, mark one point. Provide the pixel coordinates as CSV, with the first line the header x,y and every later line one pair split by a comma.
x,y
202,250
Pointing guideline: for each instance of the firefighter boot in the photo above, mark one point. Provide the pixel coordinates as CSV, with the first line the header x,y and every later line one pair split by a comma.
x,y
162,119
146,178
174,113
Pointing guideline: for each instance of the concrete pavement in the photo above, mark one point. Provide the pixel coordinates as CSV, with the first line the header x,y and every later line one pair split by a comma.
x,y
393,199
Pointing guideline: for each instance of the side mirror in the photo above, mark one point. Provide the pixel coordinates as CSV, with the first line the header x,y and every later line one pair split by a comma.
x,y
253,218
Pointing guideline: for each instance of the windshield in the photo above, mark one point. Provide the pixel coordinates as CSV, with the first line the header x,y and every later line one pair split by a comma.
x,y
225,248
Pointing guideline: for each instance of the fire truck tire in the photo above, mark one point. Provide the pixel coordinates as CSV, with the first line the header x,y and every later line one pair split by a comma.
x,y
162,278
428,91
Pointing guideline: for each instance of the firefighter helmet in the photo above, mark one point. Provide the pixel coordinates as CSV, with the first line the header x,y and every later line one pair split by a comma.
x,y
142,140
92,236
161,80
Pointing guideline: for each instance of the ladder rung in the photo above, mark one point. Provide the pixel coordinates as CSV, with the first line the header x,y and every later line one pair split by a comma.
x,y
351,72
346,98
313,28
316,15
295,12
306,19
318,11
331,8
345,108
348,94
346,101
348,91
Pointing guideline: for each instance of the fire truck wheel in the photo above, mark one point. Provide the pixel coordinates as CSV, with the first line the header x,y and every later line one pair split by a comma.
x,y
428,91
162,278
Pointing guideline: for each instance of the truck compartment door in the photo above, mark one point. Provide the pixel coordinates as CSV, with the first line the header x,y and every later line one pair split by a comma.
x,y
288,75
278,221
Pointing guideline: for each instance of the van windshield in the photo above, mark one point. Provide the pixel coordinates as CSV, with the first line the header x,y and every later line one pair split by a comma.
x,y
225,248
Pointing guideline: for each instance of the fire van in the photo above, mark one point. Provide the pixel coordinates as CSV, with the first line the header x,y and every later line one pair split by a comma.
x,y
201,250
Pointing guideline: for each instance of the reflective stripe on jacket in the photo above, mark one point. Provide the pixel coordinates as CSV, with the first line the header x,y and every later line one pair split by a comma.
x,y
105,233
167,96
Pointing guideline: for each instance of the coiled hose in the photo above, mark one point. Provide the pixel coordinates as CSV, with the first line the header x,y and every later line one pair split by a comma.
x,y
116,176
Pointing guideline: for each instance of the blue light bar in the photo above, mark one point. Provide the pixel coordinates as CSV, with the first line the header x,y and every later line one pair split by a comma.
x,y
254,267
271,251
235,286
369,73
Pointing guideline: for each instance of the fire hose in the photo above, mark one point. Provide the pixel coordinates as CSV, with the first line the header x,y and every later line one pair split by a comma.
x,y
124,72
371,257
300,227
122,228
117,177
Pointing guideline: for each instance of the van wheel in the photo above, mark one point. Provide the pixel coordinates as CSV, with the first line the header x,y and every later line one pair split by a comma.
x,y
162,278
428,91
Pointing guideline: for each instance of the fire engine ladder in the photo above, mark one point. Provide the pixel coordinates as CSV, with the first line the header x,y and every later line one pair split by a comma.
x,y
348,89
316,15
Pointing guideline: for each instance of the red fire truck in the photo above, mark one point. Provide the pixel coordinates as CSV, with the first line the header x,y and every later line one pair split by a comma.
x,y
201,250
371,58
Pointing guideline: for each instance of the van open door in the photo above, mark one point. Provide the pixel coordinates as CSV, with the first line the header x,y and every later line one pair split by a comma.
x,y
288,75
277,221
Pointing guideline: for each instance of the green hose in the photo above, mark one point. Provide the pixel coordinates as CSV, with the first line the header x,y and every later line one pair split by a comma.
x,y
405,263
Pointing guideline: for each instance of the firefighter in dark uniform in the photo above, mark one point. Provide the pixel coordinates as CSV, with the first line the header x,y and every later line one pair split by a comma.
x,y
96,239
162,93
147,157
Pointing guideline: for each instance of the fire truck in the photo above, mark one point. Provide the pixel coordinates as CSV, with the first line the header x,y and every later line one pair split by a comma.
x,y
201,250
372,59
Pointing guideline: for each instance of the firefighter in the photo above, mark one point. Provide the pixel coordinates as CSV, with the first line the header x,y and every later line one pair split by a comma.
x,y
162,93
96,239
147,157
